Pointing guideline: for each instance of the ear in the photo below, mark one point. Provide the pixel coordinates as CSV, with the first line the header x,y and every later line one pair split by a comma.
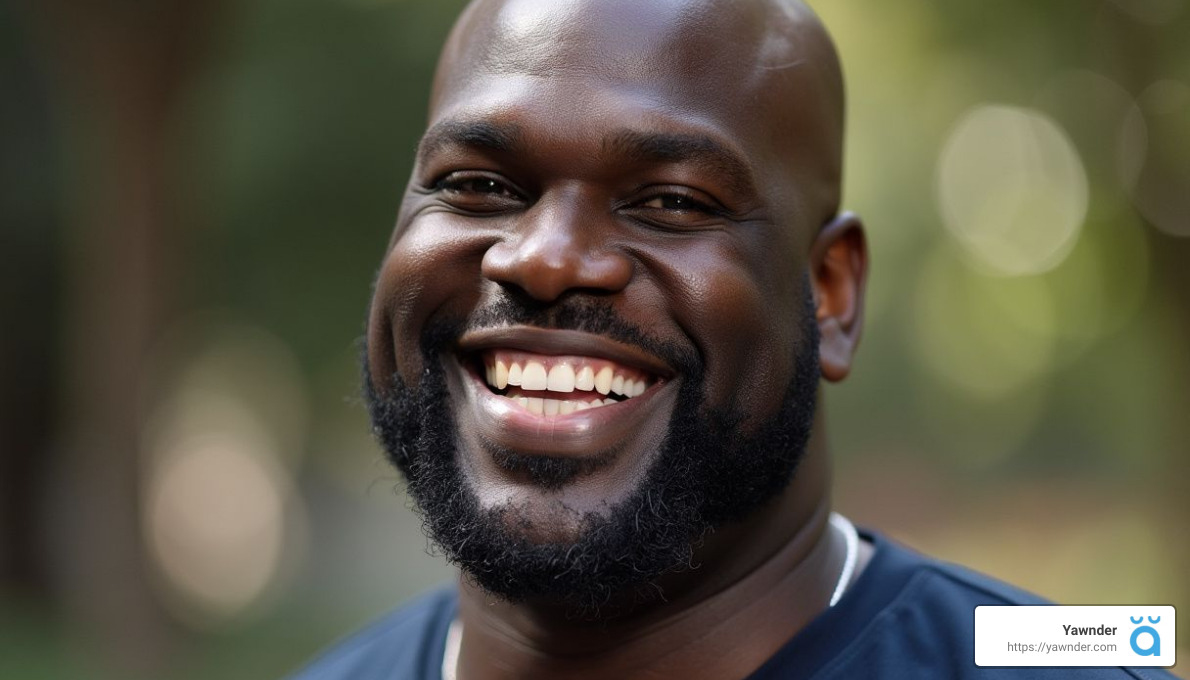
x,y
838,274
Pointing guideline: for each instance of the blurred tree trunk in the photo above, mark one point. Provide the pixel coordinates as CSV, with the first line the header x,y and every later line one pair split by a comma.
x,y
120,66
29,281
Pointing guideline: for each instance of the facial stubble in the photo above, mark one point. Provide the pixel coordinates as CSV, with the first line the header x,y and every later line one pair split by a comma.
x,y
705,474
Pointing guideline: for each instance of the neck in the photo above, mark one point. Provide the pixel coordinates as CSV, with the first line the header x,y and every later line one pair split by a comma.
x,y
759,582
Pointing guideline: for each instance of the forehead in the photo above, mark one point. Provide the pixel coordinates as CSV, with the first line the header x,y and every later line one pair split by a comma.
x,y
732,61
650,51
628,38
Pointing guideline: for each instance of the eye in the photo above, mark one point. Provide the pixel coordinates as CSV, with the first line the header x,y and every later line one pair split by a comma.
x,y
679,208
677,202
473,185
478,192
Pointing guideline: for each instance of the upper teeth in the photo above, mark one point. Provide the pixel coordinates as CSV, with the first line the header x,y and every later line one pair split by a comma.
x,y
562,374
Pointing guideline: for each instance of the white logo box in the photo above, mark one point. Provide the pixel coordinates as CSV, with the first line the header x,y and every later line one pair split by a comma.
x,y
1075,635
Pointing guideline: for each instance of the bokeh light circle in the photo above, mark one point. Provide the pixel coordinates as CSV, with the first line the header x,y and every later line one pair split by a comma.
x,y
215,518
1011,189
223,523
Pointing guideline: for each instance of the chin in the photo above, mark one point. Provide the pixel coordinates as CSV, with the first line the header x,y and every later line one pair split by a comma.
x,y
591,506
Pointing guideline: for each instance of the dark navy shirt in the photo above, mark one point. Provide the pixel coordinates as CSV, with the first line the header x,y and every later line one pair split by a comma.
x,y
906,617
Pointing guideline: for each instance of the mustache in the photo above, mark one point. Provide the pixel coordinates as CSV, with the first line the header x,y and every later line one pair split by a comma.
x,y
576,312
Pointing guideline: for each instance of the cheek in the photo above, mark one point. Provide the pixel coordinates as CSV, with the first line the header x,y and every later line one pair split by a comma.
x,y
737,307
432,269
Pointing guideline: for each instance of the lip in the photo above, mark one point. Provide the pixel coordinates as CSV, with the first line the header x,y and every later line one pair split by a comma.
x,y
590,433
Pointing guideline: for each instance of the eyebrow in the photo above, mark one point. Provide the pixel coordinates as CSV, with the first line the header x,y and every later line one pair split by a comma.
x,y
474,134
700,150
647,147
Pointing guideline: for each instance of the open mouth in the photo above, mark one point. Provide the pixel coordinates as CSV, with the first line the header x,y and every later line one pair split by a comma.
x,y
554,385
560,392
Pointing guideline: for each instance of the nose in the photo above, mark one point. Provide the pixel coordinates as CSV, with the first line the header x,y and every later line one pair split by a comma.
x,y
554,249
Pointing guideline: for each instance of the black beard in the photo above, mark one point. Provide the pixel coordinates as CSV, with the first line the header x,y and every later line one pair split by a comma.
x,y
704,475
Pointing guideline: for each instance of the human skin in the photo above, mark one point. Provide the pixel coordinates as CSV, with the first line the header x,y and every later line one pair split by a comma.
x,y
681,161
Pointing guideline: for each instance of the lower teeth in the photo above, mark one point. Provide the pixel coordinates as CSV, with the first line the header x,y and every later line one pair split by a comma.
x,y
550,407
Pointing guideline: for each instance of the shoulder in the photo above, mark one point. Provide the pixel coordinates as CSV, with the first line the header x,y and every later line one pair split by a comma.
x,y
407,643
911,616
929,625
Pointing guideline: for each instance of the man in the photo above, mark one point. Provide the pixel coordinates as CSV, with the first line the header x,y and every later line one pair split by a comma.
x,y
617,277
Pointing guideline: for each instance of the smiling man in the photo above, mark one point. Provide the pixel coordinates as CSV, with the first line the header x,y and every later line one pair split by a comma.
x,y
618,275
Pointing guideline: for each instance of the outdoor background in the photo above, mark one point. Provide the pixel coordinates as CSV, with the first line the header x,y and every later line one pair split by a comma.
x,y
194,196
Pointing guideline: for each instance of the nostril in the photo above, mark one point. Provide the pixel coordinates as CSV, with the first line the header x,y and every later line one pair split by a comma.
x,y
547,263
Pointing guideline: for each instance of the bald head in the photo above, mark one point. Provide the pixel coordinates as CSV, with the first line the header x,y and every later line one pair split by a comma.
x,y
770,62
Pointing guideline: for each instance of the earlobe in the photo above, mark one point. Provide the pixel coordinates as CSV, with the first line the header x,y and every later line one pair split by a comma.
x,y
839,273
